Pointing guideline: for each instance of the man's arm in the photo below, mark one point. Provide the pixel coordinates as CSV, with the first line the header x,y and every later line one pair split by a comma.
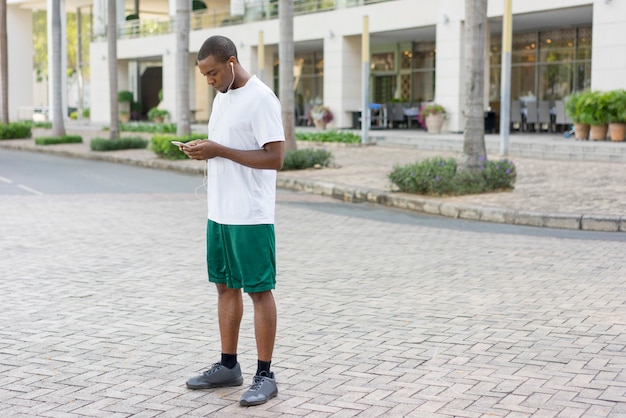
x,y
270,157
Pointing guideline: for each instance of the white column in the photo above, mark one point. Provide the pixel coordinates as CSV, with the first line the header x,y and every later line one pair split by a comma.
x,y
99,18
608,56
449,87
342,77
20,59
63,57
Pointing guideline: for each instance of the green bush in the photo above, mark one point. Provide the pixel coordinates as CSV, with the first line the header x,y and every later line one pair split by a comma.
x,y
438,176
155,113
616,105
163,147
15,130
148,127
125,96
65,139
105,144
306,158
86,113
42,125
329,136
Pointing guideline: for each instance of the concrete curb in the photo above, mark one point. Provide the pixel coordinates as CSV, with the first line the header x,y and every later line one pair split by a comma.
x,y
453,210
585,222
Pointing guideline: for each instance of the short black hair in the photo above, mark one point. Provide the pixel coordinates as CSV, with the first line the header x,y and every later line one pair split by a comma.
x,y
220,47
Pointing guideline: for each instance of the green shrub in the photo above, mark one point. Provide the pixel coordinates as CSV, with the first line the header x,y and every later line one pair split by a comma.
x,y
105,144
65,139
438,176
86,113
42,125
306,158
329,136
148,127
125,96
156,113
163,147
15,130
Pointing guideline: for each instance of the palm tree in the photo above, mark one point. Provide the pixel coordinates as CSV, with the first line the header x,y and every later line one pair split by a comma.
x,y
183,9
474,155
4,65
285,76
114,131
58,125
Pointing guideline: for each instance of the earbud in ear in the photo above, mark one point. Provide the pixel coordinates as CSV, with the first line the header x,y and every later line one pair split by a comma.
x,y
232,65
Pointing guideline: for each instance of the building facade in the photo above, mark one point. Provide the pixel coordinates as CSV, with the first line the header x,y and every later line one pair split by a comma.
x,y
416,52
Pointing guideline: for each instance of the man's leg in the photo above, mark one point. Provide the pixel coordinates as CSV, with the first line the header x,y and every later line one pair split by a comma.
x,y
264,324
263,384
227,372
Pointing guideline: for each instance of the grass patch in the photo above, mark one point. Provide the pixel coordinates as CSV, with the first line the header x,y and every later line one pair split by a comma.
x,y
105,144
53,140
329,136
438,176
306,158
155,128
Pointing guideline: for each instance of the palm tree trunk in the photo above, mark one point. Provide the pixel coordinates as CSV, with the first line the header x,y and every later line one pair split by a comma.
x,y
474,155
114,131
286,59
4,64
58,124
183,10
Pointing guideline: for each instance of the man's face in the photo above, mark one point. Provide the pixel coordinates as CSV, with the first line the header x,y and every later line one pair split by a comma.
x,y
217,74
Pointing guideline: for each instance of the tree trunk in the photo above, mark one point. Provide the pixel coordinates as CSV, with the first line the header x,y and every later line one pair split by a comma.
x,y
285,76
183,16
114,131
474,155
4,64
58,124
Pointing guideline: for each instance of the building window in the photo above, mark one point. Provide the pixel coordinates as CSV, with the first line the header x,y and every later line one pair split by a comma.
x,y
423,72
308,80
547,65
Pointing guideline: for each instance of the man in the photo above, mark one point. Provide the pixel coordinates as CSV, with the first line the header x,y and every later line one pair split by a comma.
x,y
244,150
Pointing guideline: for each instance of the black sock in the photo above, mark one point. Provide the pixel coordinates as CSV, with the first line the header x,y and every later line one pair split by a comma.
x,y
263,366
229,360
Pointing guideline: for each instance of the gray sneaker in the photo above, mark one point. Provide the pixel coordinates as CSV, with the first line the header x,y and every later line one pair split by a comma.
x,y
217,376
263,389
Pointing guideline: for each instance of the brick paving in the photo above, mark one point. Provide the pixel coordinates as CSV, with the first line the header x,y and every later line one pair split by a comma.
x,y
107,315
106,312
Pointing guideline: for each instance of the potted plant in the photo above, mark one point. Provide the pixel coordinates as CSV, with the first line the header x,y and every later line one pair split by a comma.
x,y
124,116
593,103
320,115
580,114
431,115
125,99
616,114
158,115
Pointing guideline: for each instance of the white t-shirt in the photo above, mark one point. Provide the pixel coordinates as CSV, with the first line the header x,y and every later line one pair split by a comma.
x,y
246,119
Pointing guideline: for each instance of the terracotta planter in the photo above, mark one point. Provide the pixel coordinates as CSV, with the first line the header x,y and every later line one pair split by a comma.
x,y
617,131
124,117
581,131
598,132
158,119
434,122
320,124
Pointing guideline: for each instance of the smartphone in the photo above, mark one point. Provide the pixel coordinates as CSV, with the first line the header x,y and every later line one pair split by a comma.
x,y
179,144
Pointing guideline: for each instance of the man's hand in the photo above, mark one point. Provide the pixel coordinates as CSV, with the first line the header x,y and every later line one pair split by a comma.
x,y
202,149
270,157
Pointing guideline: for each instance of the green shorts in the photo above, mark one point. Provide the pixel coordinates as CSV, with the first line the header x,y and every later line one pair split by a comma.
x,y
242,256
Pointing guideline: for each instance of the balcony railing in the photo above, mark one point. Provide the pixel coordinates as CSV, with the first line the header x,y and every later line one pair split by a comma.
x,y
217,17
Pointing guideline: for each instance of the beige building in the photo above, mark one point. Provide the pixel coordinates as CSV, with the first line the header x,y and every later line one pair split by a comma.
x,y
416,53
